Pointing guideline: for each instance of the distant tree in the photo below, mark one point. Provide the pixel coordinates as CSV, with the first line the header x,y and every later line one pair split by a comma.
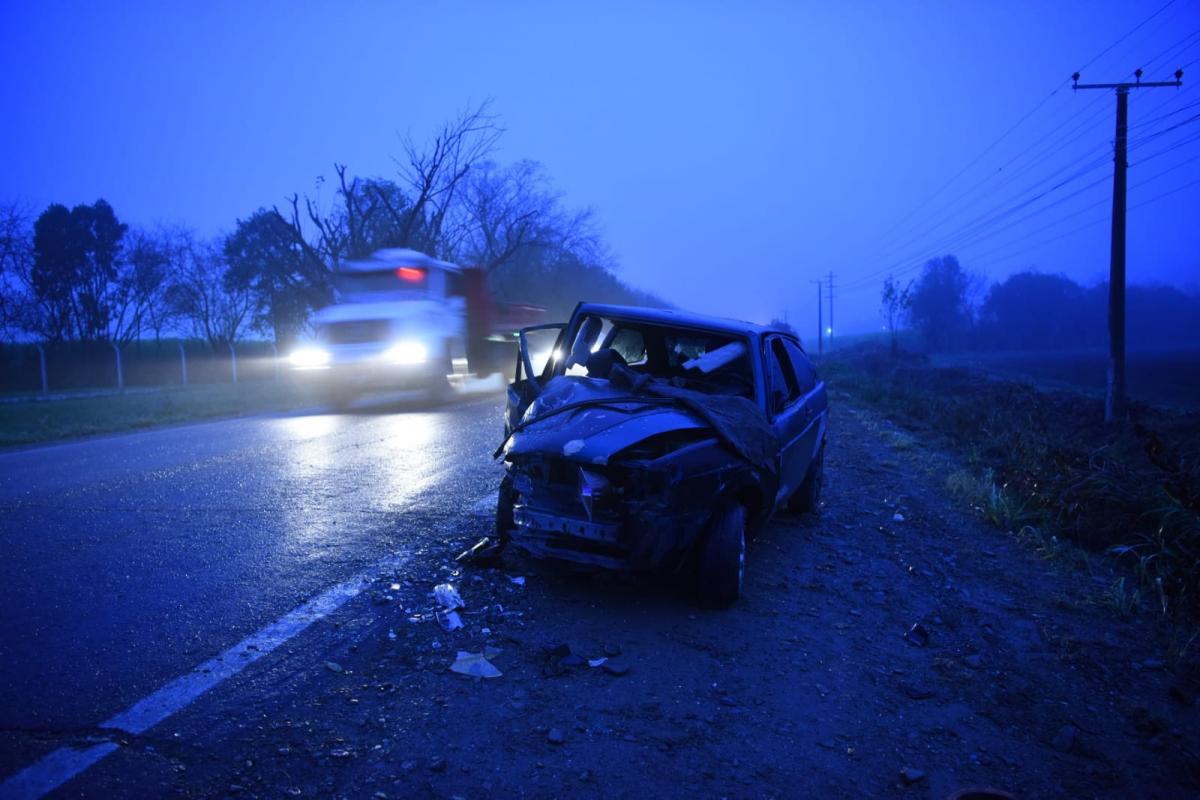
x,y
75,270
558,278
360,222
16,261
205,302
1157,316
287,277
507,209
434,176
782,325
138,293
1033,310
895,302
939,306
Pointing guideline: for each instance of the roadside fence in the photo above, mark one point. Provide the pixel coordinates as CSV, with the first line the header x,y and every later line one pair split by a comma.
x,y
63,366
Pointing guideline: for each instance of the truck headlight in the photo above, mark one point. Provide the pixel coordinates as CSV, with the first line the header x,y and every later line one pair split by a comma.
x,y
309,358
406,353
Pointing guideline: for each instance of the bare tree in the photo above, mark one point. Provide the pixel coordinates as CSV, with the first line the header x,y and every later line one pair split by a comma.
x,y
206,303
513,208
138,294
894,304
16,261
434,174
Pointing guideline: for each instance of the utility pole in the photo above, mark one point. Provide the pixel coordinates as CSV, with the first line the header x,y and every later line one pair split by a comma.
x,y
831,310
1114,399
820,322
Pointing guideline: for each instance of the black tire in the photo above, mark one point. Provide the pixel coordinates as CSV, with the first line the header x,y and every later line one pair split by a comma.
x,y
808,496
506,498
722,564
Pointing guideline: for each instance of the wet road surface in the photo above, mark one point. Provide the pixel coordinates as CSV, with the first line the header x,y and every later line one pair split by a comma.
x,y
129,560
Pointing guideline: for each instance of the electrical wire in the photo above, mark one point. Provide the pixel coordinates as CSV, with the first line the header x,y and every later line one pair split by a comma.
x,y
984,227
1023,118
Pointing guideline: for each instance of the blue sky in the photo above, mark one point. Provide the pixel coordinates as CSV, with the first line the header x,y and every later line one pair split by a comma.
x,y
732,152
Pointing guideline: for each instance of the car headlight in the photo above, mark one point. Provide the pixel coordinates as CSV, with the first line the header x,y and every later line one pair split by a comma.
x,y
309,358
406,353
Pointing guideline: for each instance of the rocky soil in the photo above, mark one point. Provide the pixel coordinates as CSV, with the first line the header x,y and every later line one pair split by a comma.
x,y
893,645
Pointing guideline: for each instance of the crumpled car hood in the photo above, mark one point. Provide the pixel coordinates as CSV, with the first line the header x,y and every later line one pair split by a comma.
x,y
593,433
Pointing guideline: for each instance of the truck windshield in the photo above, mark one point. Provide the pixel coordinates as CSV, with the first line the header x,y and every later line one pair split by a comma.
x,y
400,281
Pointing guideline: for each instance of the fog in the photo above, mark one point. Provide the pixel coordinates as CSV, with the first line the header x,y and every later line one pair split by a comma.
x,y
730,154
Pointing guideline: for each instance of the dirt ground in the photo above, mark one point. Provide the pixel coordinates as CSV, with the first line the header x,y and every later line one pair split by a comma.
x,y
1020,675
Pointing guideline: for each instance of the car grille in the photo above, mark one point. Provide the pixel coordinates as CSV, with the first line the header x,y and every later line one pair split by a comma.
x,y
358,331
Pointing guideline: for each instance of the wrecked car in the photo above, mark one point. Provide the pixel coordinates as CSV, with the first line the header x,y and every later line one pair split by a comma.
x,y
641,438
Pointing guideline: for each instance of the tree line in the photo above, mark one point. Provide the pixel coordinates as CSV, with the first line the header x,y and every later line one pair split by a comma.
x,y
81,274
950,309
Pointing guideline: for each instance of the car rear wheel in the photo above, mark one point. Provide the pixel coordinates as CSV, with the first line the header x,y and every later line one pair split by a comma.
x,y
722,565
808,496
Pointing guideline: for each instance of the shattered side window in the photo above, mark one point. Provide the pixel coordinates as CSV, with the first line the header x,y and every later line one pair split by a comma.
x,y
784,388
806,373
690,346
631,345
733,377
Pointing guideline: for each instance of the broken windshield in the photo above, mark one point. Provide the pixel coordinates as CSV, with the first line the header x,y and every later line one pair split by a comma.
x,y
706,361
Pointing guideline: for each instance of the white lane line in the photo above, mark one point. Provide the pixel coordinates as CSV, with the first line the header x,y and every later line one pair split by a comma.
x,y
53,771
154,708
65,763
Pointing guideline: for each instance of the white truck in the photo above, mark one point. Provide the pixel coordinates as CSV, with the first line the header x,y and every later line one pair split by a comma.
x,y
404,320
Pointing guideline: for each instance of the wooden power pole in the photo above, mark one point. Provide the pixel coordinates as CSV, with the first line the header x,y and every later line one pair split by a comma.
x,y
820,322
1114,399
829,286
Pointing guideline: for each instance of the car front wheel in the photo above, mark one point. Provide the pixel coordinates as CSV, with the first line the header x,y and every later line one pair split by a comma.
x,y
722,564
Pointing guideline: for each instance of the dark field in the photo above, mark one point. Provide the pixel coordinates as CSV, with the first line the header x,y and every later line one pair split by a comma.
x,y
1166,377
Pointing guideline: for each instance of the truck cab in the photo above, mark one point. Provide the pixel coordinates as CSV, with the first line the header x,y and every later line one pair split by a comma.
x,y
404,320
398,322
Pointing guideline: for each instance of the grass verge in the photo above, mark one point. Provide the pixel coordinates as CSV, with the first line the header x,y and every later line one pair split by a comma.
x,y
1045,462
33,421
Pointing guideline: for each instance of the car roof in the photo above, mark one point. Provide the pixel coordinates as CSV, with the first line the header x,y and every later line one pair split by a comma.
x,y
669,316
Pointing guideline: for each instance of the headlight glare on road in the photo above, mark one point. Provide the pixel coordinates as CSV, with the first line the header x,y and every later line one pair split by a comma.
x,y
309,358
406,353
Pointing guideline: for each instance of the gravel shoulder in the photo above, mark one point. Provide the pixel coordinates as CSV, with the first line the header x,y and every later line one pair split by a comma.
x,y
1019,677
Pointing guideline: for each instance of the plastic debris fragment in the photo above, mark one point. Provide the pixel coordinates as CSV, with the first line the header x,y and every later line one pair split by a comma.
x,y
474,665
449,620
447,597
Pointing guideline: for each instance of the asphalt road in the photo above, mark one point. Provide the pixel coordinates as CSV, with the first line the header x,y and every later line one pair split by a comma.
x,y
129,560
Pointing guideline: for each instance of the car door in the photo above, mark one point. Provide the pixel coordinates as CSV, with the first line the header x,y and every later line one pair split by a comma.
x,y
813,398
534,365
788,417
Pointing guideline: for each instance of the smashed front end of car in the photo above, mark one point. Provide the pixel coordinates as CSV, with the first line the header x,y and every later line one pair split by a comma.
x,y
601,477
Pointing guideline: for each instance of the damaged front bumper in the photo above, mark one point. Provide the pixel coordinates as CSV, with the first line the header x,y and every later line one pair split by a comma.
x,y
617,519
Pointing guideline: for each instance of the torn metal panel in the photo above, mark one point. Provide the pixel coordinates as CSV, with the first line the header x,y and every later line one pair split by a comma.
x,y
628,465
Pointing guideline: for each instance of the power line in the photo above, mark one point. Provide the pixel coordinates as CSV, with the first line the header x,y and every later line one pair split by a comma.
x,y
921,206
1087,225
978,227
1142,182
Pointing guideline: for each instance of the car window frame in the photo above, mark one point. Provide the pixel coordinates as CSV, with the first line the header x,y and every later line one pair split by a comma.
x,y
788,345
785,368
